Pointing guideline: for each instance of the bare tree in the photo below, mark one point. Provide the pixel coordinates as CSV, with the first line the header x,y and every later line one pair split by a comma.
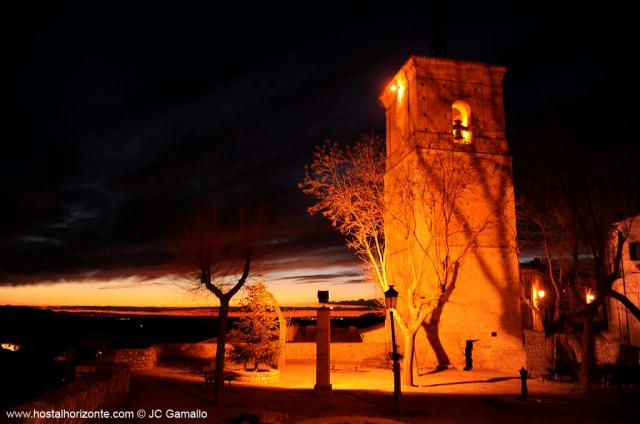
x,y
424,200
596,201
220,263
570,215
544,227
348,185
420,204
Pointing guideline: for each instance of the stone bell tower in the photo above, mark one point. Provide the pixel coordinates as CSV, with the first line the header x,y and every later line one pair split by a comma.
x,y
450,213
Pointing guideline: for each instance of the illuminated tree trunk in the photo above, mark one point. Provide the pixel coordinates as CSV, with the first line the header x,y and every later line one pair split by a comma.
x,y
218,383
407,360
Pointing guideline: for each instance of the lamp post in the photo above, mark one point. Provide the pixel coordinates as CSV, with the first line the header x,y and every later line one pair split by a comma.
x,y
390,301
323,345
542,307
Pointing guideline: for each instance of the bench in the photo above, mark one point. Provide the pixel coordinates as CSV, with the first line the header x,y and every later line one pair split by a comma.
x,y
209,377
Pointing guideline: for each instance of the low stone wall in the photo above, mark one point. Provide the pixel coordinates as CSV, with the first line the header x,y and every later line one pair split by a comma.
x,y
137,359
538,356
98,388
266,376
372,354
204,350
606,352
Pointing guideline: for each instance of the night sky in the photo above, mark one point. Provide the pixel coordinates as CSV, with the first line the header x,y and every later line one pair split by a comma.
x,y
121,117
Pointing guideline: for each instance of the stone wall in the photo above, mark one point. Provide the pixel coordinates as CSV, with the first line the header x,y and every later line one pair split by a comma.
x,y
538,353
606,352
137,359
204,350
95,388
370,354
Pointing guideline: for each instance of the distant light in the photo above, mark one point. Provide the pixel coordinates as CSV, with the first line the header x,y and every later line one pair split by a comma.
x,y
590,297
541,294
10,346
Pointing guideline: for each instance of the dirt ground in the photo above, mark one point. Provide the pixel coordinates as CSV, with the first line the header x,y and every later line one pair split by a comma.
x,y
447,397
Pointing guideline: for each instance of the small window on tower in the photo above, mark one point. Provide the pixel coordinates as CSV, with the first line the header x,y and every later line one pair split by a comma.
x,y
461,118
634,251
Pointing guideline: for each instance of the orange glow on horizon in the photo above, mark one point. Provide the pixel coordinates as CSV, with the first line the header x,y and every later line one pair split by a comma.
x,y
170,292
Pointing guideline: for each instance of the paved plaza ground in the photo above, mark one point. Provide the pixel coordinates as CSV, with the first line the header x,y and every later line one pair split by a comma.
x,y
359,396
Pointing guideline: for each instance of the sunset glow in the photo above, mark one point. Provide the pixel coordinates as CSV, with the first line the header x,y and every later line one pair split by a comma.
x,y
172,292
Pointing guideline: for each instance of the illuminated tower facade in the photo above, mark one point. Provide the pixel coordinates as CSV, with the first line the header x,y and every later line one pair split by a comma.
x,y
450,213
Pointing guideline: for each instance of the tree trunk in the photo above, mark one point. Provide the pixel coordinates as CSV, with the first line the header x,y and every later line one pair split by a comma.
x,y
586,359
407,360
218,383
631,307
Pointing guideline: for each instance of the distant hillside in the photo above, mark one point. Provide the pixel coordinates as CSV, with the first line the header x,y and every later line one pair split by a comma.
x,y
349,308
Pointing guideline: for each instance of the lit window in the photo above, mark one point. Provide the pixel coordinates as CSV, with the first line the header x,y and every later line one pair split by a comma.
x,y
461,117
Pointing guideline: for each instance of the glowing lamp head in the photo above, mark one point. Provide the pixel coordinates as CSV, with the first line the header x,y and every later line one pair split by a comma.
x,y
590,297
394,88
391,298
541,294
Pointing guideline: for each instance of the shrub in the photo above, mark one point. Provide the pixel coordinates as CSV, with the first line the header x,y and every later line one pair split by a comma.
x,y
253,339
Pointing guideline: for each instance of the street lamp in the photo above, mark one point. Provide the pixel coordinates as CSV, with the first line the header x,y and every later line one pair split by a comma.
x,y
590,297
390,301
542,307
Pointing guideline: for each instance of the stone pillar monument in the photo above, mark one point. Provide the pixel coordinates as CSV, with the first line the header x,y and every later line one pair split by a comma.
x,y
323,343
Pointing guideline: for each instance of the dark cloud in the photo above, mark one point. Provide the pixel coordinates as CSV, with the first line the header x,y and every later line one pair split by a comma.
x,y
323,278
123,117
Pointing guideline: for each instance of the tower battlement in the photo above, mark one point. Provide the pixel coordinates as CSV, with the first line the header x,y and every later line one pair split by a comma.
x,y
427,95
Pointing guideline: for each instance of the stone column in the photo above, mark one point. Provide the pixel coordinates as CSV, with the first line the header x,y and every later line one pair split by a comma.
x,y
323,344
